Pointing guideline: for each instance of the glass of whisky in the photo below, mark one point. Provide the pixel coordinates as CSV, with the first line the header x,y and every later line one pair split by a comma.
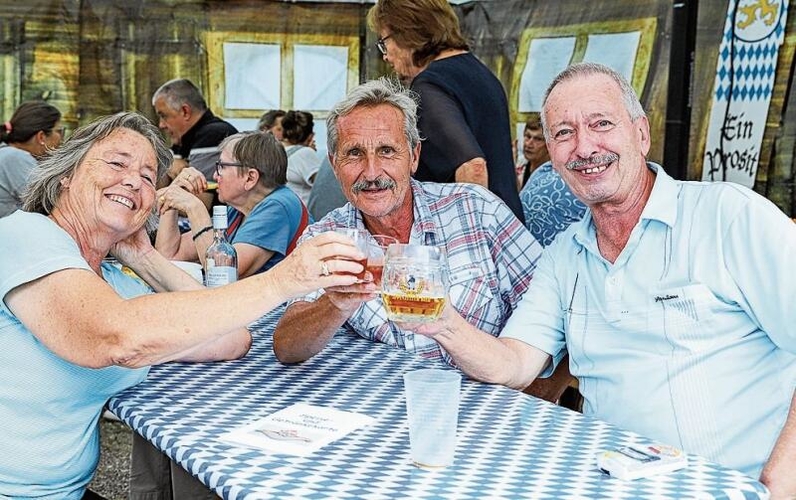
x,y
377,250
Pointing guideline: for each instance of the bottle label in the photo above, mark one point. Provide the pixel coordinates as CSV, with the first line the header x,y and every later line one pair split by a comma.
x,y
220,275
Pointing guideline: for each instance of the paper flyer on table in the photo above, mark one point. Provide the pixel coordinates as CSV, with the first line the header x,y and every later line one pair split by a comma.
x,y
299,429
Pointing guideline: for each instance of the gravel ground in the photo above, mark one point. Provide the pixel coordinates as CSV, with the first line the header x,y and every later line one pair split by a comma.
x,y
113,474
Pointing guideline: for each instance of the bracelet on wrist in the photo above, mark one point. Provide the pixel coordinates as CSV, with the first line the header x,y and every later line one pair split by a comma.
x,y
201,232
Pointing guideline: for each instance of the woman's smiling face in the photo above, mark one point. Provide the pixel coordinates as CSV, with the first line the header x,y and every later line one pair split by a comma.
x,y
113,188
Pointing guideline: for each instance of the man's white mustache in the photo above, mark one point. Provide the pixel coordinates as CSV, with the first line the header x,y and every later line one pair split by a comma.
x,y
594,161
380,183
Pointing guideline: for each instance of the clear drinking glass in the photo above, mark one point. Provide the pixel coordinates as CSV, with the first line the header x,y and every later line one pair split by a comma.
x,y
432,407
415,282
361,238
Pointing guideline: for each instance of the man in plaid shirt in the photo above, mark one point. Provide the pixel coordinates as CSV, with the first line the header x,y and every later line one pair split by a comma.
x,y
374,147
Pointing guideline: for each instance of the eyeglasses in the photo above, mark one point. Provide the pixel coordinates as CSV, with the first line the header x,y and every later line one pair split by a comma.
x,y
61,131
381,46
221,164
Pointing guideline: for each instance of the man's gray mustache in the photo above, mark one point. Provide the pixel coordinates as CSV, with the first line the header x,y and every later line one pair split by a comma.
x,y
380,183
594,161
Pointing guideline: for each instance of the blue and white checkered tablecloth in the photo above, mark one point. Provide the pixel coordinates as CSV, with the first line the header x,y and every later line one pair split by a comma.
x,y
509,445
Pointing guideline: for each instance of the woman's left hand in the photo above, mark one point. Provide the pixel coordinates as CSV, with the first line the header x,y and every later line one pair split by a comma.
x,y
131,249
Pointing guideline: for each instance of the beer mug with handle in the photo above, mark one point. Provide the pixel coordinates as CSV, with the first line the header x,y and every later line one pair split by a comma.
x,y
415,282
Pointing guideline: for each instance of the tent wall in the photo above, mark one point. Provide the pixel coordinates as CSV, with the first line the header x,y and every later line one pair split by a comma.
x,y
94,57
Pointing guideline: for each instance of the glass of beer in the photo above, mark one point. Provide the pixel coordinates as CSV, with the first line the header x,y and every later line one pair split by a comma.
x,y
361,239
377,249
415,282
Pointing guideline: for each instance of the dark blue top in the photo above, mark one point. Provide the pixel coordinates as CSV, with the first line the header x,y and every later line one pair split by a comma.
x,y
464,114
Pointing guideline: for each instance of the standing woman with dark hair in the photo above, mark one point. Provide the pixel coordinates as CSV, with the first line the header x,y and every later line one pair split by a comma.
x,y
302,161
33,130
464,113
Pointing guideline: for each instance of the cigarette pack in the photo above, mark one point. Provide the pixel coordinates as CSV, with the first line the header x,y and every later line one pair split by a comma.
x,y
633,462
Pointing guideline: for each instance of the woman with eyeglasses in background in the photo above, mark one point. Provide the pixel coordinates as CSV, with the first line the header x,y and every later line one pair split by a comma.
x,y
33,130
265,217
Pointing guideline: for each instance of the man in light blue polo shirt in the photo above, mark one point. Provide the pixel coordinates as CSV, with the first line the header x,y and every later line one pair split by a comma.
x,y
674,299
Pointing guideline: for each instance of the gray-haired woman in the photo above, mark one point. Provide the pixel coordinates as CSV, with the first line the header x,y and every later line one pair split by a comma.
x,y
265,217
76,330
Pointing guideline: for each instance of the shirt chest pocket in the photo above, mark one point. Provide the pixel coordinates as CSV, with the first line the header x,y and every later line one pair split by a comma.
x,y
668,320
684,315
472,297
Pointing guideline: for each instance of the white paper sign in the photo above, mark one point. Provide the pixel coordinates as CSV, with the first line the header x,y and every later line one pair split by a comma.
x,y
320,76
299,429
252,76
547,57
615,50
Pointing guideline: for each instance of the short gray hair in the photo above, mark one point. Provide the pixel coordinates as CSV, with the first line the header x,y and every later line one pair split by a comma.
x,y
44,187
632,104
370,94
262,152
178,92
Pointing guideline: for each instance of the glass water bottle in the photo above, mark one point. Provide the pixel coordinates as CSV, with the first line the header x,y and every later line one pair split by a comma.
x,y
221,259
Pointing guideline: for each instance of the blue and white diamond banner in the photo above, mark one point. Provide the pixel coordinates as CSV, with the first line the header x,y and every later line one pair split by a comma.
x,y
753,33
